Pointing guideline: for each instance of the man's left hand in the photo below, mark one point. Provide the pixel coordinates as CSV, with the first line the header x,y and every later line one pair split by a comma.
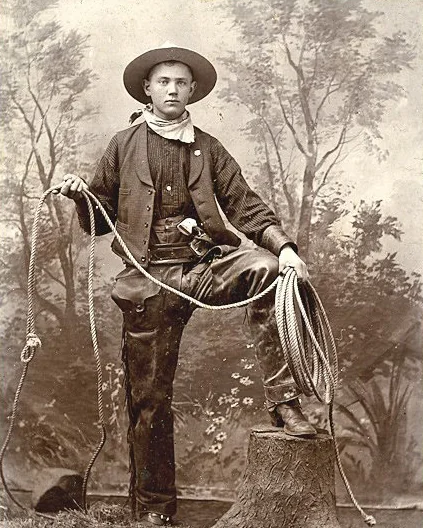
x,y
288,258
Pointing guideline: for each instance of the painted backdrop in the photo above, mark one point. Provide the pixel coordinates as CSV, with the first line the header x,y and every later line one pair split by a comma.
x,y
320,102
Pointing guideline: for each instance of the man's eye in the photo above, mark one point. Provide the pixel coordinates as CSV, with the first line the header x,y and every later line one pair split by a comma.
x,y
182,83
163,81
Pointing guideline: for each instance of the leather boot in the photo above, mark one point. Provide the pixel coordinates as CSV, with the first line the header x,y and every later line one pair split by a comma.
x,y
157,519
290,416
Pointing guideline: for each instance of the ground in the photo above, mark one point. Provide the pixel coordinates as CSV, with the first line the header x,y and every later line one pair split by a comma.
x,y
191,514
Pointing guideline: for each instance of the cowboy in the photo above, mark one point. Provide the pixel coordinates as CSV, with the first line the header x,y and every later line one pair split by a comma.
x,y
159,181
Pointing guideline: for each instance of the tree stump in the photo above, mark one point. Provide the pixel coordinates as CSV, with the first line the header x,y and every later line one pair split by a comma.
x,y
288,482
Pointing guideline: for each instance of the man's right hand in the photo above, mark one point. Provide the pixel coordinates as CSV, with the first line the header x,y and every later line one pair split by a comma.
x,y
72,187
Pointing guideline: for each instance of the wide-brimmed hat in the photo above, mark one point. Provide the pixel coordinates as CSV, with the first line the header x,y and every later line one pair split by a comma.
x,y
203,71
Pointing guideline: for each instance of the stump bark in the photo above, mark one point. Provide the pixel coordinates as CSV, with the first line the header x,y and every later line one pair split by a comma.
x,y
288,482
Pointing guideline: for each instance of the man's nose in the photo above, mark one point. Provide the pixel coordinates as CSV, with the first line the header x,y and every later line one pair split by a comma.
x,y
172,88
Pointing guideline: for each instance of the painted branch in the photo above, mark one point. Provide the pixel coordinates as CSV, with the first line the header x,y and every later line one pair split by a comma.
x,y
288,482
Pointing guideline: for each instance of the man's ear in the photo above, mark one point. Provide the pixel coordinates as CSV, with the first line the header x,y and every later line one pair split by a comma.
x,y
146,86
193,87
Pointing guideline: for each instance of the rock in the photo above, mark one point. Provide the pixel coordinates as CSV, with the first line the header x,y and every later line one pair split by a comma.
x,y
56,489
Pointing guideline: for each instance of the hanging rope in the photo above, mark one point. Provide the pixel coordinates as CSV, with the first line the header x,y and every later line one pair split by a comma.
x,y
310,352
33,342
304,330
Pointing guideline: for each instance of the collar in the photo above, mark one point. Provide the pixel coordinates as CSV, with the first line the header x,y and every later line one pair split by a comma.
x,y
180,129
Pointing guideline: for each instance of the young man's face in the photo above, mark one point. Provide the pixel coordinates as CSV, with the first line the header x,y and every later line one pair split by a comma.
x,y
170,86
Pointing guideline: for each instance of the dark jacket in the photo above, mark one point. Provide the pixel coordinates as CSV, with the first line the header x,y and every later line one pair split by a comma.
x,y
127,192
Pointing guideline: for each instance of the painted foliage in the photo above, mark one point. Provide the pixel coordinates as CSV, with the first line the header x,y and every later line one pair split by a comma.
x,y
315,83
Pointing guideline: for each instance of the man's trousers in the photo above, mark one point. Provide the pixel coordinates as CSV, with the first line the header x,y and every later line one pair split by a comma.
x,y
153,323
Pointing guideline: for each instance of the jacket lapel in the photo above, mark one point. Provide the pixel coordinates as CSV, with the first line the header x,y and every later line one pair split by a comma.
x,y
142,168
196,162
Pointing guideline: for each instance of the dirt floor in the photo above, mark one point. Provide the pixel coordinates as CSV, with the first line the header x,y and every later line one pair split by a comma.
x,y
191,514
203,514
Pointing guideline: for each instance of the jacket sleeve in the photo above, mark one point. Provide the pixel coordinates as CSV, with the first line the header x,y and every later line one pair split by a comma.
x,y
105,186
243,207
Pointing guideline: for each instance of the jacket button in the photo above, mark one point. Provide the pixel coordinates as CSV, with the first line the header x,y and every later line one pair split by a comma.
x,y
144,242
150,191
143,259
148,208
146,224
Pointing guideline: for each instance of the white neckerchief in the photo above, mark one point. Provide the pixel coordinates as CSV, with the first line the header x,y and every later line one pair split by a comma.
x,y
180,129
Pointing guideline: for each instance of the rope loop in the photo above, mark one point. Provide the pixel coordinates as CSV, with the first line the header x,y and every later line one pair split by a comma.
x,y
32,343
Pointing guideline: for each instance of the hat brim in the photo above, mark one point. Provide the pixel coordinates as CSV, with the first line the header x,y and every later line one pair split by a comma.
x,y
203,71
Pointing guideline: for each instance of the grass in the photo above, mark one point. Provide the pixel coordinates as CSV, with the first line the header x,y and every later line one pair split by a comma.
x,y
191,514
100,515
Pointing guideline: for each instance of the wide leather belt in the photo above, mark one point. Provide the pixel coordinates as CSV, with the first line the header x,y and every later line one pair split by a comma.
x,y
176,243
172,254
167,223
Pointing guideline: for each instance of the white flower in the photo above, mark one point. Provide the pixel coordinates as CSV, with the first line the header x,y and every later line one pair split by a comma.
x,y
109,366
234,391
215,448
289,394
248,366
219,420
235,375
210,429
105,386
221,436
222,399
246,381
248,401
250,345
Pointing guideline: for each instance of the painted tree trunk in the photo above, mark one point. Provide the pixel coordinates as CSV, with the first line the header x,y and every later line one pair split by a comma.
x,y
288,482
306,209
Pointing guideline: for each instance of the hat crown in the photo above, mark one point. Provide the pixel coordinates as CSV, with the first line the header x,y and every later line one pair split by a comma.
x,y
168,44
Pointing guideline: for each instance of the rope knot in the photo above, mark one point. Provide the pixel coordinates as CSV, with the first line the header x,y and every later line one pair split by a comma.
x,y
32,342
370,520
